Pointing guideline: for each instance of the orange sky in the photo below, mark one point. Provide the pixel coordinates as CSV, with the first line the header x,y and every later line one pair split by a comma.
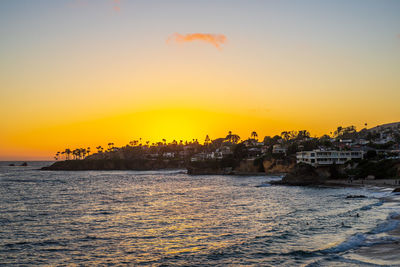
x,y
85,75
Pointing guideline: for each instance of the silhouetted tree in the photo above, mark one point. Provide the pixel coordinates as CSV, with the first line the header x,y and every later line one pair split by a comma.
x,y
254,135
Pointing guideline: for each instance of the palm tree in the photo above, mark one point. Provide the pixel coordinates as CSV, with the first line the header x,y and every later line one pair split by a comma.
x,y
74,153
338,132
235,138
207,140
83,152
229,137
110,146
67,153
285,135
254,135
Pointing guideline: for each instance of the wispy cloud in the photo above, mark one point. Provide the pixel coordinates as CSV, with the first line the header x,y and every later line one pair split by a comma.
x,y
215,39
116,5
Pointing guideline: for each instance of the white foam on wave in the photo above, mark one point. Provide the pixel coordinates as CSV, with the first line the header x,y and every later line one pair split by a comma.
x,y
372,237
354,241
388,225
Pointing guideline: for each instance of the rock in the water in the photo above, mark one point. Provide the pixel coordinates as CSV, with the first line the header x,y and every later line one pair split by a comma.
x,y
303,174
356,196
24,164
396,190
12,164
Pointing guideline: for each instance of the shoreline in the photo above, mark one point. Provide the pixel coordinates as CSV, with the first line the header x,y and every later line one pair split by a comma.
x,y
384,183
385,252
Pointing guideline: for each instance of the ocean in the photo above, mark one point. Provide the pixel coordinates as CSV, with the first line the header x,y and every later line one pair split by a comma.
x,y
172,219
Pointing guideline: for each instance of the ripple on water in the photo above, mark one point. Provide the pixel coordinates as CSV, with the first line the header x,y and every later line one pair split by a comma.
x,y
57,218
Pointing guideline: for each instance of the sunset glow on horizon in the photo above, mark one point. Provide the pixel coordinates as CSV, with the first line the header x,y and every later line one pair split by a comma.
x,y
85,73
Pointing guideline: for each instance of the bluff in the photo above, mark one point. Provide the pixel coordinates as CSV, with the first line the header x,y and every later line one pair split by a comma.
x,y
226,166
304,174
278,166
115,164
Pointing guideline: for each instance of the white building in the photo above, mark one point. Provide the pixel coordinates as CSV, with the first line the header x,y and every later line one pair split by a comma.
x,y
323,158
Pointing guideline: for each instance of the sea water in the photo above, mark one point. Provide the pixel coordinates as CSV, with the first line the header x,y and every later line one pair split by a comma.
x,y
171,218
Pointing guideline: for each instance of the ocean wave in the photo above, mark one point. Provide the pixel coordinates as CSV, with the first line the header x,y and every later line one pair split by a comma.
x,y
370,206
369,239
332,260
354,241
388,225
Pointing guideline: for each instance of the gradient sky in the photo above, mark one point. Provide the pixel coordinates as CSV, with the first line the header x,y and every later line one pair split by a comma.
x,y
85,73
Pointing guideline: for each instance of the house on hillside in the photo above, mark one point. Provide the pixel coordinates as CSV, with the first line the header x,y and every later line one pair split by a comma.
x,y
279,149
388,126
324,158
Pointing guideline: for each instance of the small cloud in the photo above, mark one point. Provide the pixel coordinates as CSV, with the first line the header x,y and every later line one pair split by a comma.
x,y
215,39
116,5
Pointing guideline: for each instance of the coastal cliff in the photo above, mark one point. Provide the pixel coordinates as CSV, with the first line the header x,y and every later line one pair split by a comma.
x,y
278,166
115,164
226,166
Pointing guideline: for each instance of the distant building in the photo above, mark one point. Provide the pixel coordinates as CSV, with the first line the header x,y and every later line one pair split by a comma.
x,y
323,158
252,143
278,149
225,150
199,157
169,155
254,152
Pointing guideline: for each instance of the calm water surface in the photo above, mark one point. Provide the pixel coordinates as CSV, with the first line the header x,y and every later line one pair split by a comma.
x,y
170,218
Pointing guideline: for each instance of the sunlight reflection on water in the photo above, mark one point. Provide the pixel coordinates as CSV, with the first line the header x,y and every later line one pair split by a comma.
x,y
169,218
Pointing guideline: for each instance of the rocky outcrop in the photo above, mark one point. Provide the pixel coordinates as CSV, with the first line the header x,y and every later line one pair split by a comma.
x,y
115,164
249,166
396,190
304,174
278,166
